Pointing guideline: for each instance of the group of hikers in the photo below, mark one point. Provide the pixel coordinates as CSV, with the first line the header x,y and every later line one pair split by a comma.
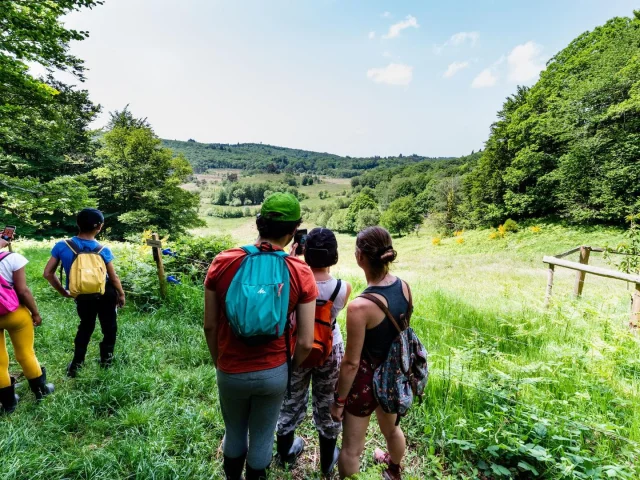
x,y
97,291
270,326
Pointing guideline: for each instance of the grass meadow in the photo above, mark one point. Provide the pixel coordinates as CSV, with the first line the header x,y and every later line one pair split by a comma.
x,y
516,390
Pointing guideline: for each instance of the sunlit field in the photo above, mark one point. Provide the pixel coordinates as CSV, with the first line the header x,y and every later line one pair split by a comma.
x,y
512,385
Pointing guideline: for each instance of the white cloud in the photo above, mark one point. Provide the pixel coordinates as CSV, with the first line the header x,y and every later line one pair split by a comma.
x,y
525,62
372,35
386,15
392,74
458,39
454,68
386,54
396,28
486,78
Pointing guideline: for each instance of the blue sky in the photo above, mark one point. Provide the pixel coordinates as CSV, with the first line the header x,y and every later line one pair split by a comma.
x,y
359,77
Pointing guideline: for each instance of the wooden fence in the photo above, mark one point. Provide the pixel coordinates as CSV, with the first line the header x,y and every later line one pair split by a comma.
x,y
582,267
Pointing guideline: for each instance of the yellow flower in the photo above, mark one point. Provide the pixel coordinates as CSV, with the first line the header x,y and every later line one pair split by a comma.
x,y
535,229
493,235
436,241
458,233
460,240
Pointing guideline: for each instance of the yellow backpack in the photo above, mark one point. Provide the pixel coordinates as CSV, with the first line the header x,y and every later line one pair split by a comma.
x,y
88,272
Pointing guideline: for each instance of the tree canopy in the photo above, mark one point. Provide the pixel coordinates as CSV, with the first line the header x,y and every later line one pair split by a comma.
x,y
569,145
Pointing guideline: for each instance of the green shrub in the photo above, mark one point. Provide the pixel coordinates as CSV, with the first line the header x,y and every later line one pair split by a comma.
x,y
193,255
510,226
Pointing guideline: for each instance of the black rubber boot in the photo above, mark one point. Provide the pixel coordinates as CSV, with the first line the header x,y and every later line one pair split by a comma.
x,y
289,448
233,467
77,362
253,474
40,387
8,397
106,355
329,454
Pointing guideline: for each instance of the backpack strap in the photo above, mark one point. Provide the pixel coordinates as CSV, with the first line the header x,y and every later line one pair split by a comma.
x,y
335,293
383,307
98,249
72,246
250,249
4,255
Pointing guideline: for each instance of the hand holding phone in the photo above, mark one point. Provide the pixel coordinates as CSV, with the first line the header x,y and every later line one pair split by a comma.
x,y
300,238
7,233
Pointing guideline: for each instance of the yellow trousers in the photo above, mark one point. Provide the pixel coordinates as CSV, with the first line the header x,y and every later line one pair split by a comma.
x,y
19,325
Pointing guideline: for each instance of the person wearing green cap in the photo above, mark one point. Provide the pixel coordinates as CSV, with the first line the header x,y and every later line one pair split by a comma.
x,y
253,371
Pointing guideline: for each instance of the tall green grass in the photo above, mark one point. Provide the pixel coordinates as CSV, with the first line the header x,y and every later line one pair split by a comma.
x,y
515,391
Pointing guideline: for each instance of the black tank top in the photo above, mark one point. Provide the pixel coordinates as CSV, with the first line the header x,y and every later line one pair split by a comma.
x,y
378,340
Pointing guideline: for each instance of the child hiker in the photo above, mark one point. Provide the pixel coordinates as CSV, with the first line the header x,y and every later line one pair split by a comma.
x,y
322,370
93,282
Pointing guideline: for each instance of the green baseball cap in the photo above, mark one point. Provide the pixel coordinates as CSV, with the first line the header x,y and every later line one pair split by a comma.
x,y
281,207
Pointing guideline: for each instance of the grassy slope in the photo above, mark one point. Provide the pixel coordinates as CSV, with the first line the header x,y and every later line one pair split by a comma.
x,y
155,414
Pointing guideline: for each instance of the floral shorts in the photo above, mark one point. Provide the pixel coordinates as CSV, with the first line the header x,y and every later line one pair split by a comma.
x,y
361,402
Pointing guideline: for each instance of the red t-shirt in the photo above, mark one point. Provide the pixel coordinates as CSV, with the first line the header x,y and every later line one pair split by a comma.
x,y
235,356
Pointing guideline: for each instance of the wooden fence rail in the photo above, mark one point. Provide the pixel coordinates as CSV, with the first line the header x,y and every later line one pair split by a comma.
x,y
582,267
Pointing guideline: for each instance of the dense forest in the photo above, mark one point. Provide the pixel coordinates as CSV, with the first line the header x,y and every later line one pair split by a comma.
x,y
51,163
270,159
568,147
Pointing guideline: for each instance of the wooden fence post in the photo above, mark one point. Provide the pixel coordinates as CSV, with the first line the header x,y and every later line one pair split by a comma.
x,y
547,298
584,259
156,244
635,308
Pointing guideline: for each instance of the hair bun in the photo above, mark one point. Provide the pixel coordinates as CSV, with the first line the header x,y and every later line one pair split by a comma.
x,y
389,255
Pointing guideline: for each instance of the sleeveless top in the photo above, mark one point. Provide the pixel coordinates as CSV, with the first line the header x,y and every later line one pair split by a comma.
x,y
378,340
325,289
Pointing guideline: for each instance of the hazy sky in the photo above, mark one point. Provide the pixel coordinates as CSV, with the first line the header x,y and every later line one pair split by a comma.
x,y
356,77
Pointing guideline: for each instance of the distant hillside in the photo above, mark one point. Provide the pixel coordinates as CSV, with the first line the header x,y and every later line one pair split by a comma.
x,y
268,158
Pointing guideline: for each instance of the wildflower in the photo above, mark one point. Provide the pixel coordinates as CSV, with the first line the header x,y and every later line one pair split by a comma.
x,y
535,229
458,233
436,241
460,240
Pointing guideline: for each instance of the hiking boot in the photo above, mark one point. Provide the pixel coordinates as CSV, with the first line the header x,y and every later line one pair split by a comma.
x,y
72,369
329,454
253,474
233,467
40,387
106,355
289,448
393,470
8,397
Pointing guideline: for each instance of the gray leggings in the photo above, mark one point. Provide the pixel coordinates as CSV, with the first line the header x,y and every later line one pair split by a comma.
x,y
250,404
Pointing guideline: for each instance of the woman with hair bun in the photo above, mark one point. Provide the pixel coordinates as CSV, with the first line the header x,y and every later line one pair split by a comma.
x,y
369,337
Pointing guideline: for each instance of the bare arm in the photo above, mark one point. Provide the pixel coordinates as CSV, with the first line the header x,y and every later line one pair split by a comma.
x,y
50,275
211,314
115,281
305,315
25,296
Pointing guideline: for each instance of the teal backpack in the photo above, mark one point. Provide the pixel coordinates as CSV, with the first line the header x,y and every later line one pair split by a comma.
x,y
257,301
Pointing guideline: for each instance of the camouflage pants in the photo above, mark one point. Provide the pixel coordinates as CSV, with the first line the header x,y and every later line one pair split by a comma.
x,y
323,380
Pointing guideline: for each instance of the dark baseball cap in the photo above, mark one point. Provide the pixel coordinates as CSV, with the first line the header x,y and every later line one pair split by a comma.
x,y
89,219
321,248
